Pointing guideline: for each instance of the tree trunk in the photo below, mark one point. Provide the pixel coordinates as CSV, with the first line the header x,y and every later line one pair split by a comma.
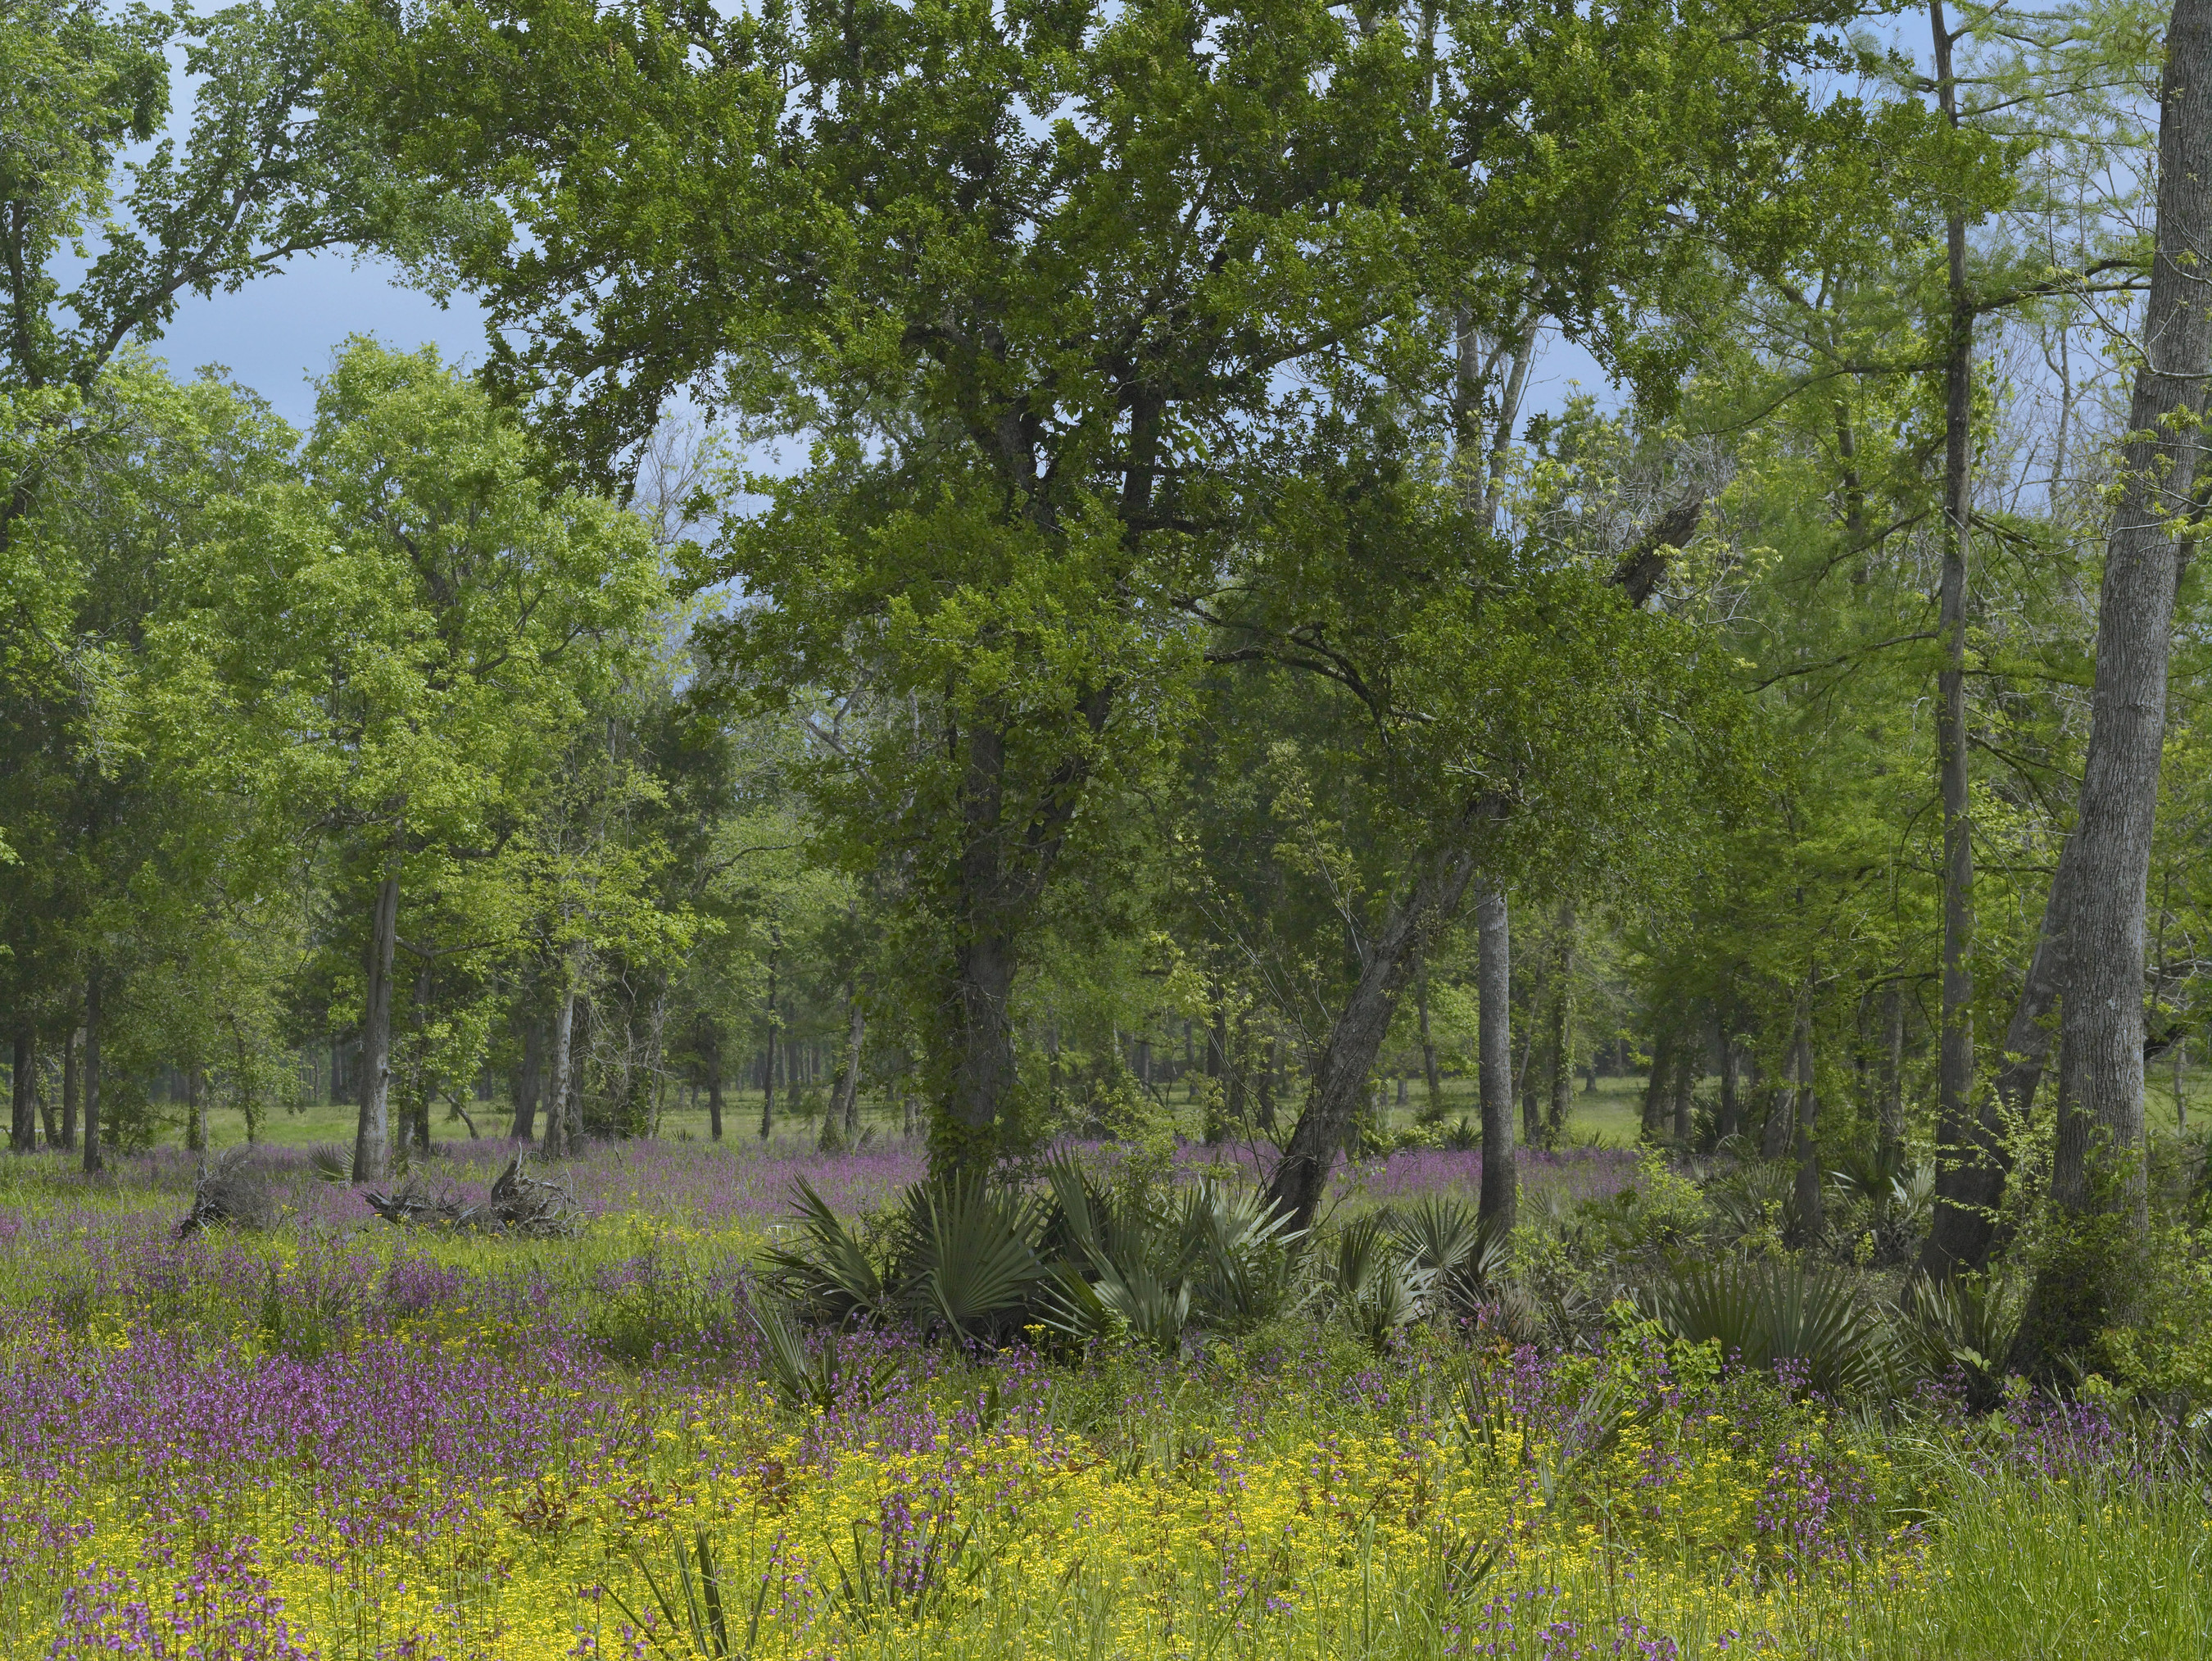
x,y
1774,1140
72,1084
1266,1114
417,1102
767,1058
1562,1025
196,1109
1347,1057
1889,1128
1493,975
1957,1130
1655,1087
2180,1098
371,1143
564,1047
1686,1085
1807,1116
1730,1122
93,1161
714,1058
846,1102
2097,1171
21,1136
529,1080
1216,1069
1429,1076
45,1100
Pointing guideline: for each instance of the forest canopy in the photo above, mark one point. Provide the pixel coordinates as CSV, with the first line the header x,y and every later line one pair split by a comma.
x,y
1003,565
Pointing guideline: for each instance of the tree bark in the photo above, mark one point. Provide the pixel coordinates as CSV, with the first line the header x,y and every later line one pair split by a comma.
x,y
1347,1057
564,1051
2098,1161
46,1101
1958,1136
93,1159
372,1145
1775,1140
767,1058
1561,1036
1494,981
846,1102
1654,1087
196,1109
714,1087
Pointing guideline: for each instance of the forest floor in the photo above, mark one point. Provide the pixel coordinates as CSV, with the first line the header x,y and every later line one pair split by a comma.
x,y
324,1437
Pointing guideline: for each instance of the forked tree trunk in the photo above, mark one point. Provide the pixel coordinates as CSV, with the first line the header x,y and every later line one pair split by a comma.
x,y
2097,1169
1493,979
1347,1057
372,1142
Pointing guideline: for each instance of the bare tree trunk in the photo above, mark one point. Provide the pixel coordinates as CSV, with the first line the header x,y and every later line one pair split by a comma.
x,y
767,1058
2098,1167
93,1161
714,1058
846,1102
46,1102
1889,1130
1957,1130
371,1143
1807,1116
1493,977
1347,1057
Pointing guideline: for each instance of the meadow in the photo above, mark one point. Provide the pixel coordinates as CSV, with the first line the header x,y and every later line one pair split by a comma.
x,y
329,1436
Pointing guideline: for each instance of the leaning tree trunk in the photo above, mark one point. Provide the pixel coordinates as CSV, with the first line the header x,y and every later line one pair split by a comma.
x,y
1347,1057
1493,975
372,1142
2098,1179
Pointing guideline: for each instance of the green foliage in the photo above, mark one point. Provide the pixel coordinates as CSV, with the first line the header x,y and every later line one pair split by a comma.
x,y
1762,1313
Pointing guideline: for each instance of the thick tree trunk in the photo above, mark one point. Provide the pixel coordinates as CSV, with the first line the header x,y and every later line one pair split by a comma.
x,y
846,1102
1807,1116
2098,1167
984,1066
529,1080
2100,1153
1348,1058
1958,1131
1493,978
371,1143
93,1159
22,1137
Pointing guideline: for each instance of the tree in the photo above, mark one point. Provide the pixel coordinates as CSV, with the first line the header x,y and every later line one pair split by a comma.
x,y
402,640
